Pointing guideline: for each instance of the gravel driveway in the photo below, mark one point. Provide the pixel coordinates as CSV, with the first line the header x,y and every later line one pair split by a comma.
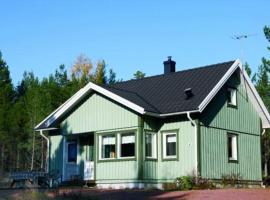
x,y
219,194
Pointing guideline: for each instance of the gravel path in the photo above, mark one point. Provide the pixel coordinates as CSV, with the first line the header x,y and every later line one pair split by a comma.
x,y
219,194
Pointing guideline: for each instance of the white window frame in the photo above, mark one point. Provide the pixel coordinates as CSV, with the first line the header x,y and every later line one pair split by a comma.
x,y
117,136
119,143
233,95
164,145
100,146
234,146
68,143
154,144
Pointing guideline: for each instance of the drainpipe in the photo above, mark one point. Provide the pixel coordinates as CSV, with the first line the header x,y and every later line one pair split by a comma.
x,y
48,149
195,142
263,131
265,160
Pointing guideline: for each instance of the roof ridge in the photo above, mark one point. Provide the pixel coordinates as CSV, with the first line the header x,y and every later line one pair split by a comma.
x,y
185,70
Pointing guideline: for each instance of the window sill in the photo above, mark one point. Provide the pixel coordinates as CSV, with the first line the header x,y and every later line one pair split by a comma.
x,y
233,161
150,159
170,159
117,159
127,158
231,105
107,159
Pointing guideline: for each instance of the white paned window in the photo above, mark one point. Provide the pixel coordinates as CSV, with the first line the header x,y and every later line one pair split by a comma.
x,y
107,147
232,147
231,96
151,145
169,145
127,145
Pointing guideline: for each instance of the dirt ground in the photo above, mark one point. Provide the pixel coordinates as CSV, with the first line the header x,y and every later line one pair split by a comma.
x,y
219,194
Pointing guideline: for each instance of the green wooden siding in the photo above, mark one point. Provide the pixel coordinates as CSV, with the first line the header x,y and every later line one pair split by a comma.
x,y
117,170
214,155
97,113
162,170
56,152
120,169
219,119
244,118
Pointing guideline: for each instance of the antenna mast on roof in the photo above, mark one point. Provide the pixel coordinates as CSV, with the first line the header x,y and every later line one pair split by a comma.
x,y
240,38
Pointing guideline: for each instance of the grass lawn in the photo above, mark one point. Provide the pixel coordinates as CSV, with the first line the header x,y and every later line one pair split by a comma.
x,y
83,194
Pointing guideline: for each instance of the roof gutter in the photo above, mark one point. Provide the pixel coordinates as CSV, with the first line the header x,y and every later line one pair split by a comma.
x,y
169,114
195,142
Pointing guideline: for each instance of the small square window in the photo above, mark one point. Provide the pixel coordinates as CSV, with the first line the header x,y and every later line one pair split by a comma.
x,y
150,145
72,152
108,147
231,96
127,145
169,145
232,147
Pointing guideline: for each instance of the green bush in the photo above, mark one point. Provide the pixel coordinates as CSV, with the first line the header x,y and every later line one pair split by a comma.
x,y
184,183
193,182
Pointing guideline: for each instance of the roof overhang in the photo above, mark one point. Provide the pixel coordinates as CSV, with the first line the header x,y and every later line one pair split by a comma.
x,y
251,90
77,97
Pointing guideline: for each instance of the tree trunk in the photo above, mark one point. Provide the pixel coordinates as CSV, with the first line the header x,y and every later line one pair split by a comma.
x,y
42,154
2,158
18,159
33,151
265,167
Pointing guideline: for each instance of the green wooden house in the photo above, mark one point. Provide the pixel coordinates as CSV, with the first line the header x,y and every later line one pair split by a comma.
x,y
203,121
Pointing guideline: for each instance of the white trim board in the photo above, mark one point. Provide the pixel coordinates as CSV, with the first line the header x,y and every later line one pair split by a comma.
x,y
72,101
219,85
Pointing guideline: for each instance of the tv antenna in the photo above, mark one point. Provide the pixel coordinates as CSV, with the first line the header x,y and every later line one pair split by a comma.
x,y
241,39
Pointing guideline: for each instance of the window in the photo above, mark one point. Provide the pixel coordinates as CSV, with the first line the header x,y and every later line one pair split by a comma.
x,y
116,146
231,95
108,147
169,145
127,145
72,151
150,145
232,147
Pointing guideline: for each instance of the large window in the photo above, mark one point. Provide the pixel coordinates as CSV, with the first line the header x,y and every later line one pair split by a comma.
x,y
231,96
116,146
127,145
150,145
72,152
169,145
108,147
232,147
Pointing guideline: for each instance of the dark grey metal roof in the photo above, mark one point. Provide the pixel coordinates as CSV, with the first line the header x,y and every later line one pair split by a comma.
x,y
165,93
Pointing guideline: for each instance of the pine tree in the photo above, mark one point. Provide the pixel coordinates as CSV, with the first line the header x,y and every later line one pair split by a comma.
x,y
6,99
138,75
100,75
263,87
112,77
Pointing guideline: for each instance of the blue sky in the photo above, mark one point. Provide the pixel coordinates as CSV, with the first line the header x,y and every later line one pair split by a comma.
x,y
40,35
